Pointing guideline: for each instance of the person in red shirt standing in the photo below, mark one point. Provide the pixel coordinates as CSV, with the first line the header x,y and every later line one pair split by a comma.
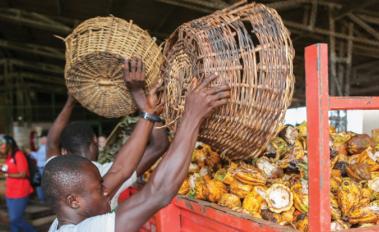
x,y
18,187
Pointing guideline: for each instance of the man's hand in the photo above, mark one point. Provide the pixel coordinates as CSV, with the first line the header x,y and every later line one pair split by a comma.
x,y
153,99
201,100
134,78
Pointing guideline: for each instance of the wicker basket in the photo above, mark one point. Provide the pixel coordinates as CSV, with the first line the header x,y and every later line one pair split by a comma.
x,y
95,53
249,47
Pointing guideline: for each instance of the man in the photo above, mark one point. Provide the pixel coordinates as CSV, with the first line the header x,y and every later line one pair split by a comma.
x,y
79,139
79,194
102,141
40,157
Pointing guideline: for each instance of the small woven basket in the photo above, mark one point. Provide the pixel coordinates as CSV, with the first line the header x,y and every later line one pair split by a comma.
x,y
95,53
250,49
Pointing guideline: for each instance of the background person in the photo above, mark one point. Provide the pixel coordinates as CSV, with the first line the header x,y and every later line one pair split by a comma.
x,y
18,186
40,157
101,140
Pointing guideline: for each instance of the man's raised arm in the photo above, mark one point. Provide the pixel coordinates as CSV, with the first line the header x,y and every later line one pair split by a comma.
x,y
131,153
172,170
158,144
53,147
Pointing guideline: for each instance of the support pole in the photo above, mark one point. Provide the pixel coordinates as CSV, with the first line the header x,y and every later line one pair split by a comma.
x,y
332,54
349,60
316,72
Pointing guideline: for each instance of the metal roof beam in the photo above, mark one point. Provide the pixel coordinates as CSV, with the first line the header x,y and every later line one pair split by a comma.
x,y
212,4
353,6
286,5
38,88
209,6
368,79
372,52
364,91
33,48
364,25
47,89
34,20
188,6
369,19
367,65
327,32
361,50
39,77
34,65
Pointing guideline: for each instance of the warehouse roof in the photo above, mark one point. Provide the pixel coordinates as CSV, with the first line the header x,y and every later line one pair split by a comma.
x,y
35,57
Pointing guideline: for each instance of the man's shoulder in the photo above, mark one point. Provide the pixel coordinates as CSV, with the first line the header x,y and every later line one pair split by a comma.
x,y
42,149
104,222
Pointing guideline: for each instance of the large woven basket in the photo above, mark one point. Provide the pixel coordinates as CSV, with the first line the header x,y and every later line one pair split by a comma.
x,y
95,53
250,49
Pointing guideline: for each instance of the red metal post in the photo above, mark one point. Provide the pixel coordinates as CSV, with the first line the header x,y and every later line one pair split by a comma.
x,y
317,99
355,103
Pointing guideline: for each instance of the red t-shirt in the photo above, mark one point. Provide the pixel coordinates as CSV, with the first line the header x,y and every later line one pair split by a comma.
x,y
17,188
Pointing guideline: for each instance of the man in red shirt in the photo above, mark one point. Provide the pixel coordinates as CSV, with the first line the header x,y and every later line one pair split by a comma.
x,y
18,187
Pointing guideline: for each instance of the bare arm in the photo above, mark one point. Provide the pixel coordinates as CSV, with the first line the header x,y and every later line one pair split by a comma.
x,y
158,144
127,158
59,124
132,151
173,168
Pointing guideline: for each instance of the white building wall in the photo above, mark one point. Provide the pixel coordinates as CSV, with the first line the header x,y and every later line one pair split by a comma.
x,y
370,120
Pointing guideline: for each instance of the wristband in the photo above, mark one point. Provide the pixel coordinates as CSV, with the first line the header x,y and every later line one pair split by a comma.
x,y
150,117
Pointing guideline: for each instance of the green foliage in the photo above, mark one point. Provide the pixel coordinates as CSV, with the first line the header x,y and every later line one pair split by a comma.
x,y
117,138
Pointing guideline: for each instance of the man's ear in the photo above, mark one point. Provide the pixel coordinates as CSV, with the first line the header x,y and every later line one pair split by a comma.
x,y
72,200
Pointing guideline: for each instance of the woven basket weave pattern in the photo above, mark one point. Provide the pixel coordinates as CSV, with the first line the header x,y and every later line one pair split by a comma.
x,y
250,49
95,53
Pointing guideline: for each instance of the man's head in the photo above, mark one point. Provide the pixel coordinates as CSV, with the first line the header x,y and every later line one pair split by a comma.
x,y
43,137
79,138
73,186
101,140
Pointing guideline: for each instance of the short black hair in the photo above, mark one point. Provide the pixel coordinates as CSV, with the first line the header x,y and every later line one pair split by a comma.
x,y
77,137
62,176
44,133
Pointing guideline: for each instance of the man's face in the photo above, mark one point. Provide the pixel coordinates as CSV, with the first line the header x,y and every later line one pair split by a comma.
x,y
93,150
92,200
43,140
101,142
